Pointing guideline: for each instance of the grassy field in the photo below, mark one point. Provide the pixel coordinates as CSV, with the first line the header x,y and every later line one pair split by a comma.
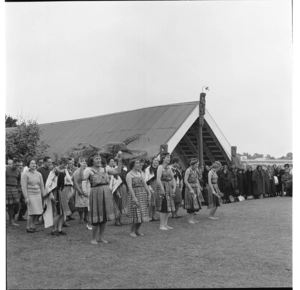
x,y
249,246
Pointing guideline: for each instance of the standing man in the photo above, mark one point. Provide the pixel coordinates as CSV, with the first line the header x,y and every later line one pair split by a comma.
x,y
23,205
40,162
44,169
13,177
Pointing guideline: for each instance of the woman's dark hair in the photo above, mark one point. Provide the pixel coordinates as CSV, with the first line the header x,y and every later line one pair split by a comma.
x,y
142,160
91,159
193,161
175,160
163,156
16,160
132,163
258,167
109,158
151,165
63,160
29,161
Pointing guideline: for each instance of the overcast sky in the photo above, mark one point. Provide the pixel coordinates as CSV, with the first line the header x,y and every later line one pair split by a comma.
x,y
73,60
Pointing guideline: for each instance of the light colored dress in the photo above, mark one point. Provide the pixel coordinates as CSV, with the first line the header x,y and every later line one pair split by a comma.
x,y
33,189
81,201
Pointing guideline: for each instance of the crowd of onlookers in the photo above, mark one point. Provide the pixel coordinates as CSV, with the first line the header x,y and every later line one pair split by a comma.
x,y
263,181
235,183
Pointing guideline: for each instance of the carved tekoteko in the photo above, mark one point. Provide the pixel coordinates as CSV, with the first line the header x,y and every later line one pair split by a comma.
x,y
202,103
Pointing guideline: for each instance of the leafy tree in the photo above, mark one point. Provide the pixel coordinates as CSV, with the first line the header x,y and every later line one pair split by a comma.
x,y
281,158
256,155
268,156
10,122
24,141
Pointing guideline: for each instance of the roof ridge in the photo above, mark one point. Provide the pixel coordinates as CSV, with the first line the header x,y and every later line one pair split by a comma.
x,y
88,118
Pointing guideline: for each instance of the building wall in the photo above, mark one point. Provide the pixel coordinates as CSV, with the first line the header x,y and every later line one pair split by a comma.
x,y
254,163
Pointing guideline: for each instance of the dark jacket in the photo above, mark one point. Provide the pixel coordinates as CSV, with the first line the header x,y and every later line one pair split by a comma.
x,y
224,180
258,179
249,182
240,183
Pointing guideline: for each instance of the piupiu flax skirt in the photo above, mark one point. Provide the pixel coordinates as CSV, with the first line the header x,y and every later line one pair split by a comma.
x,y
138,214
102,205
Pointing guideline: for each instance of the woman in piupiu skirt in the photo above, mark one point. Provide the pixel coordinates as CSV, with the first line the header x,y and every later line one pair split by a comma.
x,y
103,207
192,201
214,193
165,191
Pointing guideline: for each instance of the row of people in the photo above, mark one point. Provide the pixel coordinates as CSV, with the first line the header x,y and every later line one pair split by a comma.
x,y
157,187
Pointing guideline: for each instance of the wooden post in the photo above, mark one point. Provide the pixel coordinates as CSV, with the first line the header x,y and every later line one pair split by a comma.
x,y
201,124
233,155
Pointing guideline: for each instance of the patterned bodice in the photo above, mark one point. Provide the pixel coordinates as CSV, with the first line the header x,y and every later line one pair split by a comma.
x,y
137,182
214,178
166,175
99,178
192,177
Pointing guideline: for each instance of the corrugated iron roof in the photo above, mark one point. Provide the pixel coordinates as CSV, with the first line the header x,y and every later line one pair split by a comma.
x,y
157,124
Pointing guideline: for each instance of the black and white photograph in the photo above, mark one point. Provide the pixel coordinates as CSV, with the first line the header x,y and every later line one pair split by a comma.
x,y
148,144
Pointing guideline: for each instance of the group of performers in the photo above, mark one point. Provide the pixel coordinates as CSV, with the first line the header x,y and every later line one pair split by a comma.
x,y
105,191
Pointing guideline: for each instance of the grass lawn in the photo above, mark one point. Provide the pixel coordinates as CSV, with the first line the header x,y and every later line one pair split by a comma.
x,y
249,246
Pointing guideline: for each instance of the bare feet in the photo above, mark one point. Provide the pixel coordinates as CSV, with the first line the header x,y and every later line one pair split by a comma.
x,y
94,242
169,228
14,224
213,218
102,241
191,222
163,228
139,234
133,235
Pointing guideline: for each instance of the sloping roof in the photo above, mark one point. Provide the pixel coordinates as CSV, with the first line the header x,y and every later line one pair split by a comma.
x,y
157,124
